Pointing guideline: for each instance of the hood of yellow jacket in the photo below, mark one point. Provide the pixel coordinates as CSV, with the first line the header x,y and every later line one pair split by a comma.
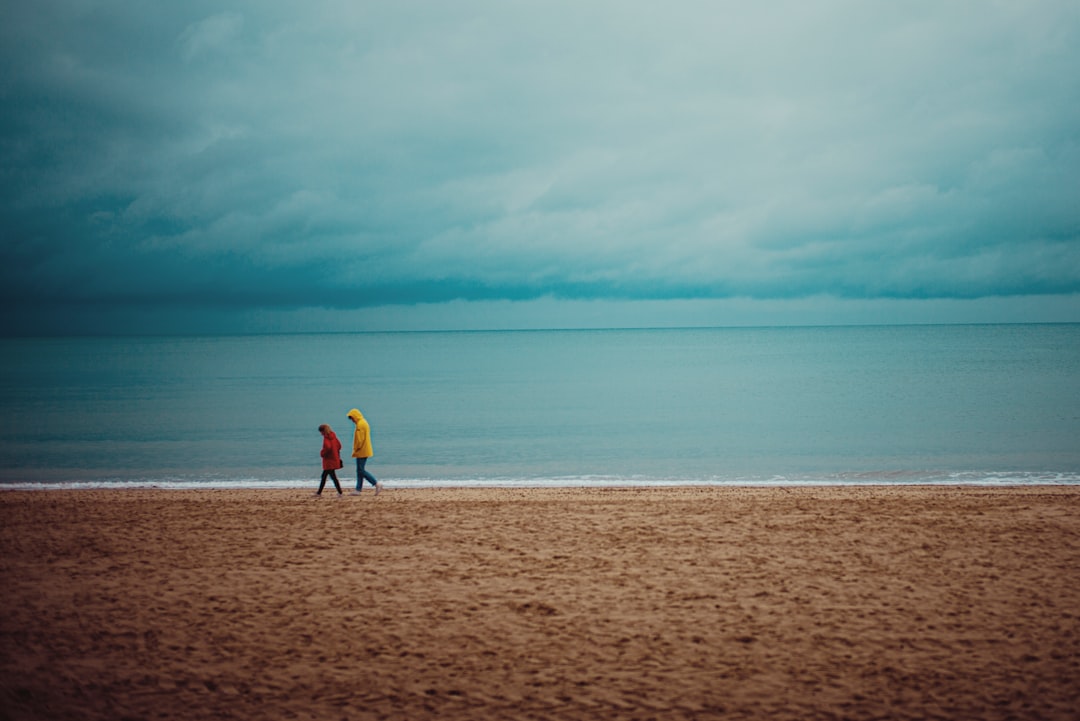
x,y
356,415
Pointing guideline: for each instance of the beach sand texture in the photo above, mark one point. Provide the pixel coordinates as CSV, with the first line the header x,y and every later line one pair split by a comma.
x,y
676,603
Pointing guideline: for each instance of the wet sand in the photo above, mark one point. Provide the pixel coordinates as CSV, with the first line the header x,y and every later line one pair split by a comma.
x,y
687,603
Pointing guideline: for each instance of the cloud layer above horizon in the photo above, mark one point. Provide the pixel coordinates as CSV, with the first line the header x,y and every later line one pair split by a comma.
x,y
350,154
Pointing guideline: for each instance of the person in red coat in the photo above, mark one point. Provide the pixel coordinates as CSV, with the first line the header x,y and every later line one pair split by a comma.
x,y
331,458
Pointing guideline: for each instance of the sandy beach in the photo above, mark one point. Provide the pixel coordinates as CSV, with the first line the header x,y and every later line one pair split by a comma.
x,y
685,603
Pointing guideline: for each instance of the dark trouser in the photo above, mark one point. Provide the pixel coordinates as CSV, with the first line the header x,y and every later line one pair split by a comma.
x,y
361,474
333,477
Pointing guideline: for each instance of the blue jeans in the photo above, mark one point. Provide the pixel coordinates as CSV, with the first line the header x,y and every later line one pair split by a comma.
x,y
361,474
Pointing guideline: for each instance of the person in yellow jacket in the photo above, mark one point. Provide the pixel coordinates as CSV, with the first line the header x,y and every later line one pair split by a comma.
x,y
361,451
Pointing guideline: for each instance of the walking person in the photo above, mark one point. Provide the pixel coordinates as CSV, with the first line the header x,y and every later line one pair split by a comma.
x,y
331,458
362,451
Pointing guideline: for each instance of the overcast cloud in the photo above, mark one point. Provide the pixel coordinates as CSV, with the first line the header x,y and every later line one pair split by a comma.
x,y
282,156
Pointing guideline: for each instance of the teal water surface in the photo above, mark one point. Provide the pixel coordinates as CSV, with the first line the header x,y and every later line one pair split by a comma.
x,y
887,404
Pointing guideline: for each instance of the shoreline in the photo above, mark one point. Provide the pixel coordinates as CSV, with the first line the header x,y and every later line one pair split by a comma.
x,y
1003,481
794,602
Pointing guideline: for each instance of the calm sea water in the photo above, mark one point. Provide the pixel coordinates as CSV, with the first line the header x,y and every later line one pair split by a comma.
x,y
913,404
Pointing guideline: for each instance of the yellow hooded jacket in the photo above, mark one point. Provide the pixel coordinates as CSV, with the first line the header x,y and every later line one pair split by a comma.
x,y
361,445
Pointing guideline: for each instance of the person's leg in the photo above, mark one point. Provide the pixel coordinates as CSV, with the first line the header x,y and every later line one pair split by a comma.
x,y
333,477
370,478
322,482
362,473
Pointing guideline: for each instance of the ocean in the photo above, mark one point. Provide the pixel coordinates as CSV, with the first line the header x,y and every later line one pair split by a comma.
x,y
947,404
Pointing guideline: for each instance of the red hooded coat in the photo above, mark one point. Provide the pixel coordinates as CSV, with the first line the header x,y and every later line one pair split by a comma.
x,y
331,452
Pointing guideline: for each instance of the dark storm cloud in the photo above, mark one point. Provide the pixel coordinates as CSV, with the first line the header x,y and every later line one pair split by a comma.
x,y
345,154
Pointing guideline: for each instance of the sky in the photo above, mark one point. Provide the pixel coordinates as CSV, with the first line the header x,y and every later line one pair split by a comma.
x,y
360,165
